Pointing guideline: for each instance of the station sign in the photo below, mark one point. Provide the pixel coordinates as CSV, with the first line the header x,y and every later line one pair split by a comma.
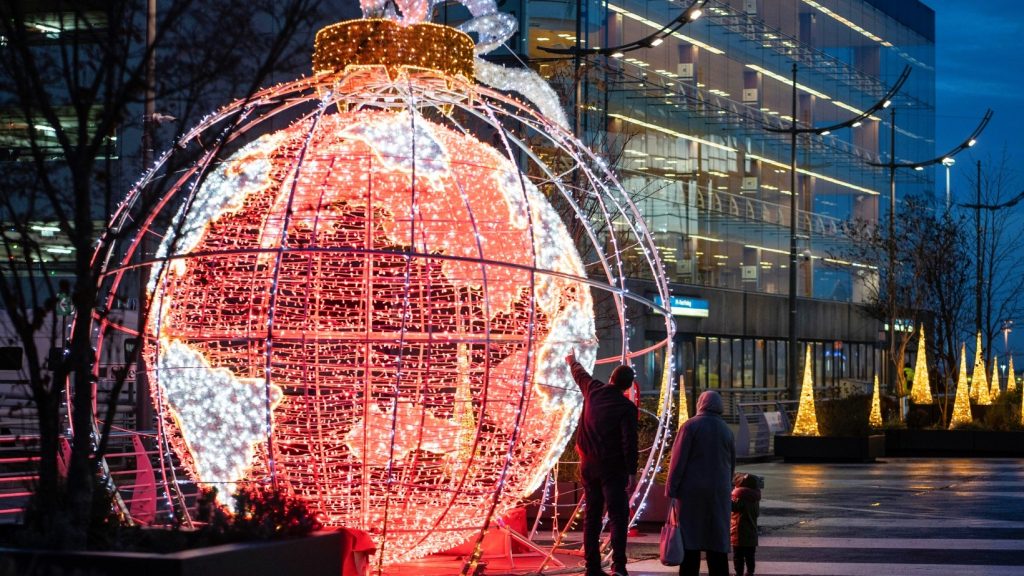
x,y
686,306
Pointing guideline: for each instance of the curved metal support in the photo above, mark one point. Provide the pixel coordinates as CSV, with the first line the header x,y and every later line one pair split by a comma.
x,y
967,143
882,104
691,13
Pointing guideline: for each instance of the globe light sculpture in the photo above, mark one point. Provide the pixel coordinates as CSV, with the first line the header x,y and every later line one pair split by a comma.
x,y
363,291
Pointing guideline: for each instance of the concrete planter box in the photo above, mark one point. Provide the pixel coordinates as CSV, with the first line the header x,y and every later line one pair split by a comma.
x,y
908,442
316,555
830,448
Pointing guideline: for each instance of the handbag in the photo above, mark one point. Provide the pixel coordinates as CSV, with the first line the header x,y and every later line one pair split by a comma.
x,y
670,545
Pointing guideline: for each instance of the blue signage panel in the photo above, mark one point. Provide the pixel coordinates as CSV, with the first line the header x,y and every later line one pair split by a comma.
x,y
686,306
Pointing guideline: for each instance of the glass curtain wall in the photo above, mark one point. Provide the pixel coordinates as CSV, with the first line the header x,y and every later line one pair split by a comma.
x,y
684,123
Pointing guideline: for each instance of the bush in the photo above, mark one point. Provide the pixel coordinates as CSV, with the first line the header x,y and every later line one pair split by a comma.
x,y
844,416
260,513
1004,413
919,418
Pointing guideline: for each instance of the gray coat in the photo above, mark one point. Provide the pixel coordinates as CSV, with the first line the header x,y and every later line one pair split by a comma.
x,y
700,476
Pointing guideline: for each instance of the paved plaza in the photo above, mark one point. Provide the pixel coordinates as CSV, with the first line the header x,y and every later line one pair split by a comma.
x,y
898,516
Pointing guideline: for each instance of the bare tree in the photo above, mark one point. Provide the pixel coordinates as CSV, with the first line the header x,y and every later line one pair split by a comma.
x,y
74,81
999,292
910,286
948,284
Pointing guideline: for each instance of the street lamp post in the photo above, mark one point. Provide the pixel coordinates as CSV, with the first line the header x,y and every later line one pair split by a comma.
x,y
794,130
979,285
948,163
893,165
1007,328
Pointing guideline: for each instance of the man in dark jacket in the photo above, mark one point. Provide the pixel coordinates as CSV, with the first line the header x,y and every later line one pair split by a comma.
x,y
607,444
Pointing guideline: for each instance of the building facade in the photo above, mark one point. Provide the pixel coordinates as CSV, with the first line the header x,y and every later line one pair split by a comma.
x,y
688,121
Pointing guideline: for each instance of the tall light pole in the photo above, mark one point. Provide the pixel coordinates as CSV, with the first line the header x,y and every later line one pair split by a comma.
x,y
794,130
948,163
978,207
980,255
893,165
1007,328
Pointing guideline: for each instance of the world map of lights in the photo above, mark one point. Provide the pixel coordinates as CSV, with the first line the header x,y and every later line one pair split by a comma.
x,y
371,305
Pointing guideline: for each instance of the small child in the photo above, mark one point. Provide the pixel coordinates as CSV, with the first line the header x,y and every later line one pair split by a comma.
x,y
746,506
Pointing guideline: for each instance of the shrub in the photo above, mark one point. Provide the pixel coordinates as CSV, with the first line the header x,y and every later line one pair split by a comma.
x,y
260,513
919,418
844,416
1004,413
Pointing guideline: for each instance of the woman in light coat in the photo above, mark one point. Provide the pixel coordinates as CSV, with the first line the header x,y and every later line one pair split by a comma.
x,y
700,486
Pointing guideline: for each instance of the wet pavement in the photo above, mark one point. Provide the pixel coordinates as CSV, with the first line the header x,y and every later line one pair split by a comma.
x,y
899,516
896,516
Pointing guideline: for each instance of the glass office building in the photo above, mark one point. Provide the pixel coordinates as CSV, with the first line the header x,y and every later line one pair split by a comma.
x,y
688,124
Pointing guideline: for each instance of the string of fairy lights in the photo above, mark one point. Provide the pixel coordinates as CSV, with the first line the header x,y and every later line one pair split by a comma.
x,y
371,305
363,291
975,389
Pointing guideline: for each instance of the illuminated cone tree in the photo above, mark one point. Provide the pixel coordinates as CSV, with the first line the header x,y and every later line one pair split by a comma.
x,y
875,418
921,390
962,404
995,390
1011,377
807,414
684,411
979,377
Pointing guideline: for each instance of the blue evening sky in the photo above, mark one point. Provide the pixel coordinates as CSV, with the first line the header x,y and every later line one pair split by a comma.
x,y
979,65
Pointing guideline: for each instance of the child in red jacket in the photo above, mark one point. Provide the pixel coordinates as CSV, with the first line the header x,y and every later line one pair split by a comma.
x,y
746,506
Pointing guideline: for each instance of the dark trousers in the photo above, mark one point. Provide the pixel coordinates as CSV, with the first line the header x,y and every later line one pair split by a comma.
x,y
718,563
743,555
604,489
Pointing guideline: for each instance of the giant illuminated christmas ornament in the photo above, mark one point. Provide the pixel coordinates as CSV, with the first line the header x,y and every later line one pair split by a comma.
x,y
363,292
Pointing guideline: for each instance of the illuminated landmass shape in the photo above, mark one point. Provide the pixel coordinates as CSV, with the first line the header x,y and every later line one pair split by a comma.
x,y
222,418
370,439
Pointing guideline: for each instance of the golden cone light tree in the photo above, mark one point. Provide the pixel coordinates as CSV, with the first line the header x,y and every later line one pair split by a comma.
x,y
920,392
806,415
684,412
665,393
962,405
1011,378
875,418
995,390
979,377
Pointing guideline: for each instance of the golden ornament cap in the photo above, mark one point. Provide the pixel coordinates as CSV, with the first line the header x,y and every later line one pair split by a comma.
x,y
369,42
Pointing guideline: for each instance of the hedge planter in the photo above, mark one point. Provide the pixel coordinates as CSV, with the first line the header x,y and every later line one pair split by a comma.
x,y
910,442
320,554
830,448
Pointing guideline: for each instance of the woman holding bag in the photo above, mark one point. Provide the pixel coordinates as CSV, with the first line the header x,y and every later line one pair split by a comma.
x,y
700,486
